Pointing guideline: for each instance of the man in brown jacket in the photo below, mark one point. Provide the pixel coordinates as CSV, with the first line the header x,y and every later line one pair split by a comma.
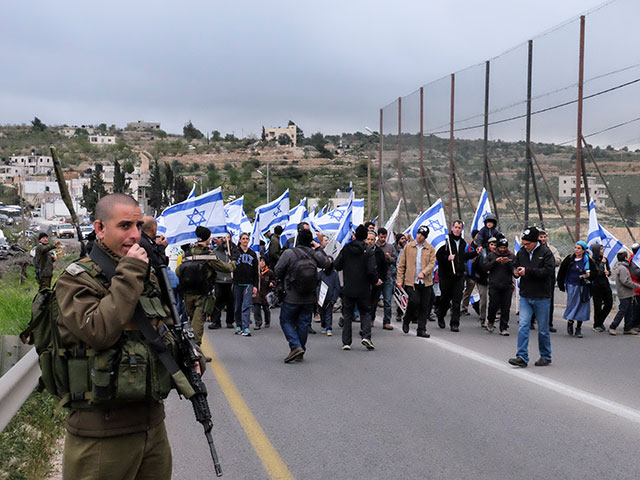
x,y
126,440
44,260
415,273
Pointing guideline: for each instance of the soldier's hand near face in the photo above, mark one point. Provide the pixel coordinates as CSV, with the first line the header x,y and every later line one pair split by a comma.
x,y
136,251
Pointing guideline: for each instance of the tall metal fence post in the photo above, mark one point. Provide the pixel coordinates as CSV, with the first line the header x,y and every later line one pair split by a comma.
x,y
487,172
380,190
451,166
528,168
579,144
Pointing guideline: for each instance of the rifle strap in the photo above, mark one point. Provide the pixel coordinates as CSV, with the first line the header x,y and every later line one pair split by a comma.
x,y
144,325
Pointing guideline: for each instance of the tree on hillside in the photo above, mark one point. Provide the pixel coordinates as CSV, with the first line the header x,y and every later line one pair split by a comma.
x,y
93,192
37,125
264,134
120,182
181,190
318,142
190,132
169,184
215,136
155,195
284,139
299,133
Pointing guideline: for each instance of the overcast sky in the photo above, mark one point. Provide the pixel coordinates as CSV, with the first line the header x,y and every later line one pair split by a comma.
x,y
235,66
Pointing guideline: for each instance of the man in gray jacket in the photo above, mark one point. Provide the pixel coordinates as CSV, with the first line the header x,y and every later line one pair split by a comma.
x,y
625,287
296,268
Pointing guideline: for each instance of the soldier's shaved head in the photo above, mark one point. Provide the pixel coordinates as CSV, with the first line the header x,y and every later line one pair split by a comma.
x,y
105,206
149,225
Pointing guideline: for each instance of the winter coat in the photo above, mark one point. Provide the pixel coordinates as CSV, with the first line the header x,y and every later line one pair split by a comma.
x,y
332,279
500,274
359,266
407,264
266,283
624,285
444,265
539,270
284,271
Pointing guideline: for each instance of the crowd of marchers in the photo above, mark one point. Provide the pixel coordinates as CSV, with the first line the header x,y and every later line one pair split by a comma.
x,y
437,285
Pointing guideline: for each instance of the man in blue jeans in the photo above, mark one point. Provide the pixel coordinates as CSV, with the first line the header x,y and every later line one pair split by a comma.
x,y
391,257
295,267
534,266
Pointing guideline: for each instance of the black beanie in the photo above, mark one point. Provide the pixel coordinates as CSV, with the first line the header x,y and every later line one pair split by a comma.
x,y
203,233
42,235
531,234
361,232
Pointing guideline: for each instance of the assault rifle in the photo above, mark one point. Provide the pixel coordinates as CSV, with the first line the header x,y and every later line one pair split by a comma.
x,y
188,362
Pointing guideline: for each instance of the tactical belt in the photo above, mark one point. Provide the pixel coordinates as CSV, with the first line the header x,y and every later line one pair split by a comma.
x,y
139,318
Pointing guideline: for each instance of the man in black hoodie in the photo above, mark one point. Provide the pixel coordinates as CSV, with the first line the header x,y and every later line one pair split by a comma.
x,y
451,259
359,265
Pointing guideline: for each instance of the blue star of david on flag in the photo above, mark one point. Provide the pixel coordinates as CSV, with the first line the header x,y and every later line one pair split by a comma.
x,y
277,211
193,220
435,225
337,214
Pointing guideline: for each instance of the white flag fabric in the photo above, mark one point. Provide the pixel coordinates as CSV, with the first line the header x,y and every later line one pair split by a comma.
x,y
599,234
329,222
273,213
192,193
297,215
346,224
391,238
482,210
434,219
237,220
178,222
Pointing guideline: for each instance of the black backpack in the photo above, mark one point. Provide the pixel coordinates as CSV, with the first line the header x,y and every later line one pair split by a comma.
x,y
194,277
305,272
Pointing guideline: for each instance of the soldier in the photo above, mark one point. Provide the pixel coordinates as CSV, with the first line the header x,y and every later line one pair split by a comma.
x,y
197,274
44,261
120,433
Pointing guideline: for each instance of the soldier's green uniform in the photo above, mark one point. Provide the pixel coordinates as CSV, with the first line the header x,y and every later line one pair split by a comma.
x,y
128,441
44,263
192,302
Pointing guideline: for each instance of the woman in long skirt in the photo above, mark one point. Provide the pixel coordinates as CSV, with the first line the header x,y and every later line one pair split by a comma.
x,y
573,278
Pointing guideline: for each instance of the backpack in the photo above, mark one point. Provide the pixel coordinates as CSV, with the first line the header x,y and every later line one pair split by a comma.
x,y
193,275
634,269
305,272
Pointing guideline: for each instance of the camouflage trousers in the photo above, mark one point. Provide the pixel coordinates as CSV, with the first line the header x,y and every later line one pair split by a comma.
x,y
193,305
134,456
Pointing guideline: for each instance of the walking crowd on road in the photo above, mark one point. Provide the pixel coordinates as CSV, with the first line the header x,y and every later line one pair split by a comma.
x,y
436,285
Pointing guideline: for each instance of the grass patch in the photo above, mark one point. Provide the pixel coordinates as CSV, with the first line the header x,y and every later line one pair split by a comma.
x,y
15,308
27,443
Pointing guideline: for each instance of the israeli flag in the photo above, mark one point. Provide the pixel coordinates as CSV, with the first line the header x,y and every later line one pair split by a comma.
x,y
516,245
237,220
178,222
256,236
330,222
274,213
599,234
483,209
192,193
297,215
346,224
435,220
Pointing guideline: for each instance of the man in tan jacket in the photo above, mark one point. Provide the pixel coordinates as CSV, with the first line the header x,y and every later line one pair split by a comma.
x,y
415,273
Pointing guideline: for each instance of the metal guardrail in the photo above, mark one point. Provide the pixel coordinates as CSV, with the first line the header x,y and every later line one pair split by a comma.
x,y
16,386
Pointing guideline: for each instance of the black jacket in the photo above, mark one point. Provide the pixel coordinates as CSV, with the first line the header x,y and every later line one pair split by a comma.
x,y
539,271
564,266
500,274
444,266
359,266
599,265
381,263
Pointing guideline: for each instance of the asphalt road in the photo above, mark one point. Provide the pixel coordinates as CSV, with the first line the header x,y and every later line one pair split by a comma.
x,y
448,407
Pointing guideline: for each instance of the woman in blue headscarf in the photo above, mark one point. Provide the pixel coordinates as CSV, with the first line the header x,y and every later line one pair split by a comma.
x,y
573,277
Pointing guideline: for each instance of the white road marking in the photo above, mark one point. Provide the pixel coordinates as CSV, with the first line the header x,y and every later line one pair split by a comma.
x,y
575,393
